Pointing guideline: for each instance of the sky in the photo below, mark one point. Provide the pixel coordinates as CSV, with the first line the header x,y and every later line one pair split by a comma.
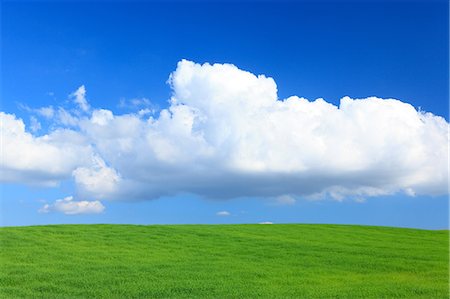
x,y
225,112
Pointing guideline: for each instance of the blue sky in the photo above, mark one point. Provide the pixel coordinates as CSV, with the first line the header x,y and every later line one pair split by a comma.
x,y
124,51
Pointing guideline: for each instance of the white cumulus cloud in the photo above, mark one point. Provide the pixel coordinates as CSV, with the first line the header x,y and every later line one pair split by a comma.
x,y
43,160
223,213
225,134
69,206
98,179
79,97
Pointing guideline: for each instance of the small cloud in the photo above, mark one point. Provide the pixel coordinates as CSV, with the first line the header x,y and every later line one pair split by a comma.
x,y
266,222
139,102
69,206
143,105
65,118
35,125
46,112
79,97
135,103
223,213
285,200
45,209
410,192
360,199
145,111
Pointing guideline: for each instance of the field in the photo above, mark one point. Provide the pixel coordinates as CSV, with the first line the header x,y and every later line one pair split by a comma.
x,y
222,261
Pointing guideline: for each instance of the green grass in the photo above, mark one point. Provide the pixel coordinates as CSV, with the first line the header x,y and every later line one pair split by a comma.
x,y
223,261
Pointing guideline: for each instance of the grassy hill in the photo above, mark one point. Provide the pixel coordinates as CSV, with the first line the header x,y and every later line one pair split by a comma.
x,y
223,261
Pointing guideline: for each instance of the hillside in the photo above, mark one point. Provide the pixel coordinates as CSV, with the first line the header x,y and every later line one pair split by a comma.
x,y
222,261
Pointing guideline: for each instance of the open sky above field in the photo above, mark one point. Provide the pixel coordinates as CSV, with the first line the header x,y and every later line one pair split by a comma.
x,y
239,112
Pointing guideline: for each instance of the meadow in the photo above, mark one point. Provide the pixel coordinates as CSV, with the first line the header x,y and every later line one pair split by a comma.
x,y
223,261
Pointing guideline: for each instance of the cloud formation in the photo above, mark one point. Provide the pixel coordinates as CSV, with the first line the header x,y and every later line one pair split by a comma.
x,y
285,200
79,97
43,160
226,134
223,213
69,206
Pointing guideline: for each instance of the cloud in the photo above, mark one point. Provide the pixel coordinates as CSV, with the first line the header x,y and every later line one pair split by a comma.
x,y
43,160
79,97
35,125
46,112
69,206
266,222
98,180
143,105
135,103
226,134
285,200
65,118
223,213
360,200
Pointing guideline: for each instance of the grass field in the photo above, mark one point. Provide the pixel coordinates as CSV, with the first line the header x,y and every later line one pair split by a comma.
x,y
222,261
